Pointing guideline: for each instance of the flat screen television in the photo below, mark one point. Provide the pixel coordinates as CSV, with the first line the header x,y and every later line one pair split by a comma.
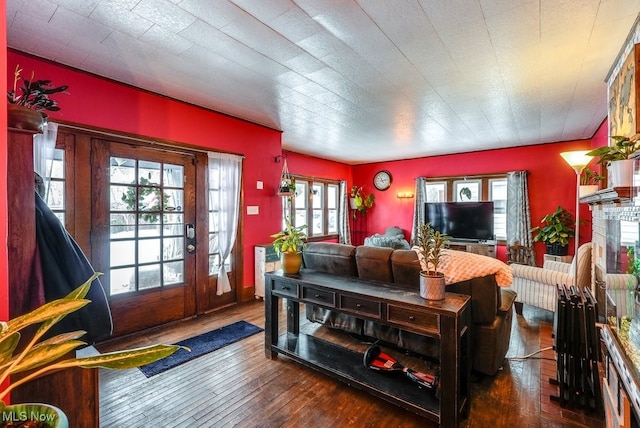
x,y
469,221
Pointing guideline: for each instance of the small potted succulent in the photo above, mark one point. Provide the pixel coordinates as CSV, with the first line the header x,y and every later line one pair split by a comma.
x,y
37,355
618,159
431,244
556,229
289,244
29,101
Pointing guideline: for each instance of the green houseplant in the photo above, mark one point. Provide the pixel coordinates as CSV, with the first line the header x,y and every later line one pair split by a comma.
x,y
359,201
29,100
618,158
555,230
36,355
431,244
589,181
289,244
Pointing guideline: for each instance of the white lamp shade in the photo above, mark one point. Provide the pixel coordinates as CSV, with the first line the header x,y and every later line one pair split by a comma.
x,y
577,159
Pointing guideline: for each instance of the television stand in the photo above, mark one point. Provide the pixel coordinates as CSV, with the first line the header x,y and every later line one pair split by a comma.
x,y
484,248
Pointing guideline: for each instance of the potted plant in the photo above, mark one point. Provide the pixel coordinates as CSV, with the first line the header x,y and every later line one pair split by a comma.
x,y
589,181
618,158
431,244
556,229
289,244
359,202
37,355
28,102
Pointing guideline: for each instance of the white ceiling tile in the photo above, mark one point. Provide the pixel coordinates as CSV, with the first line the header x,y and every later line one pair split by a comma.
x,y
118,16
165,14
356,81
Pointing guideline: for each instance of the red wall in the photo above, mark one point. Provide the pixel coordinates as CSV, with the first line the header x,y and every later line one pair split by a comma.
x,y
99,102
551,181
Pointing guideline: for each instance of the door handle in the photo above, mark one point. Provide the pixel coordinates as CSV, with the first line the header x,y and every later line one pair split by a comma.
x,y
190,233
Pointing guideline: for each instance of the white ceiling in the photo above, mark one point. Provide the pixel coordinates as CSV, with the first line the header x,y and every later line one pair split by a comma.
x,y
355,81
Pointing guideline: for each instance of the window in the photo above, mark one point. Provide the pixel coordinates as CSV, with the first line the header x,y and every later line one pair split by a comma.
x,y
55,197
472,189
315,204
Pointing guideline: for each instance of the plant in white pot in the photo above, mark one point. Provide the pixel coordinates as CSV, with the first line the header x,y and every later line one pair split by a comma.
x,y
289,244
431,244
618,159
359,202
37,355
589,181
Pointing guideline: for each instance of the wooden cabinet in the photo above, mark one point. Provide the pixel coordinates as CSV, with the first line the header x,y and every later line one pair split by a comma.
x,y
447,321
75,391
266,260
483,248
564,259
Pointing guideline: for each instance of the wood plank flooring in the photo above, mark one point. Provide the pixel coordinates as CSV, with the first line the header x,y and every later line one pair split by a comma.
x,y
238,386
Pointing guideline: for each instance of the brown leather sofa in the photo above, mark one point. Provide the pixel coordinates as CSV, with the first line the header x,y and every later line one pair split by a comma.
x,y
491,305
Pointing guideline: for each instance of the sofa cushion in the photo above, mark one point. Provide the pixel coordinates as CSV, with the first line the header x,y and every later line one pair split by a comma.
x,y
485,296
331,257
374,263
406,269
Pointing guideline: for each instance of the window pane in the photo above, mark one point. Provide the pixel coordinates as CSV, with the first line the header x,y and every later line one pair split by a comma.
x,y
333,221
55,195
122,280
301,195
467,190
148,173
498,194
122,171
332,196
317,195
436,192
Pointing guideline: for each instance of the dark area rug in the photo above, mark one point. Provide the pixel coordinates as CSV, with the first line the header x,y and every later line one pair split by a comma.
x,y
202,344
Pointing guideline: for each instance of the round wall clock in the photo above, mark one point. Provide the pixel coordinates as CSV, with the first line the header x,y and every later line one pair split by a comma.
x,y
382,180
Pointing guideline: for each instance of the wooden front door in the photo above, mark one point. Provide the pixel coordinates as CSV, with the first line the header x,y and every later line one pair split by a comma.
x,y
143,233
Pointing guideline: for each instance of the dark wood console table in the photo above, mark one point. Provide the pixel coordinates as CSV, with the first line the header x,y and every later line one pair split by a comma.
x,y
448,321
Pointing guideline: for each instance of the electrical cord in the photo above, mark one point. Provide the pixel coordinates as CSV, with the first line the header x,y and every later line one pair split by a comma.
x,y
531,354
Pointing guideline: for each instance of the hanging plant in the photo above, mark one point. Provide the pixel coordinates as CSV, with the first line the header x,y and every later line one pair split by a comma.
x,y
287,186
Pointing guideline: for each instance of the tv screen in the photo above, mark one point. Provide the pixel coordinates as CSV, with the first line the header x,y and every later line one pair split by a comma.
x,y
462,220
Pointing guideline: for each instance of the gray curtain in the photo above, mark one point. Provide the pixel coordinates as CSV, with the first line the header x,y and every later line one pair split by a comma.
x,y
344,233
418,208
519,212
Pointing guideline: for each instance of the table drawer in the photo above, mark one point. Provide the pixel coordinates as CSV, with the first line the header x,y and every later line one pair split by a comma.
x,y
361,306
319,295
417,320
285,288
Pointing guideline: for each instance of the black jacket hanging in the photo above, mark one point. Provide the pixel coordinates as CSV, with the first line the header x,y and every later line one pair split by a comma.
x,y
64,268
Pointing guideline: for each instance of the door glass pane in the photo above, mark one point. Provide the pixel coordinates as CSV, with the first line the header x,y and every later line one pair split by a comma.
x,y
146,225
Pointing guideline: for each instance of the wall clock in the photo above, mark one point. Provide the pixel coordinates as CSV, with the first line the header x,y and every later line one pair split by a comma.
x,y
382,180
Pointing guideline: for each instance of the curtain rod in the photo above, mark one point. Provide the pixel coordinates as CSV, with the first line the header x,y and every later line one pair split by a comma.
x,y
144,140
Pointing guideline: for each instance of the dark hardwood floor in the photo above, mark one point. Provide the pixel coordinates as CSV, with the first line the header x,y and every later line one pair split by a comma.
x,y
238,386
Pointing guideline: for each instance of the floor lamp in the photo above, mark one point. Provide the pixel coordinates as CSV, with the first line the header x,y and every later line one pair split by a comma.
x,y
577,159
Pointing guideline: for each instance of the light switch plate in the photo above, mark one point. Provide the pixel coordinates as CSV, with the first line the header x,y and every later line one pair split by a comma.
x,y
253,210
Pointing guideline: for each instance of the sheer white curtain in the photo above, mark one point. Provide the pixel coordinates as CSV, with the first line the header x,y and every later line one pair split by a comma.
x,y
224,179
43,146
